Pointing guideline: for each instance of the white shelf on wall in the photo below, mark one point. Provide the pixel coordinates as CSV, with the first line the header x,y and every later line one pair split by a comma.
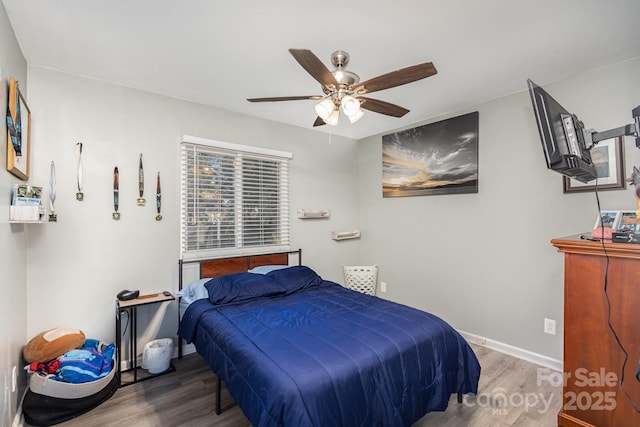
x,y
345,235
313,213
25,215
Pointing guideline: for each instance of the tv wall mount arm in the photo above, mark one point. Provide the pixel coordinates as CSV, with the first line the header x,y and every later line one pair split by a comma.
x,y
630,129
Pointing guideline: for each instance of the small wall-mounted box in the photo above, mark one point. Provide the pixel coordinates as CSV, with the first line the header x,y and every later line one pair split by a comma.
x,y
313,213
344,235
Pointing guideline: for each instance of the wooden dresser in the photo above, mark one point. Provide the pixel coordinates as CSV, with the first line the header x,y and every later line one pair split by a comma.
x,y
592,357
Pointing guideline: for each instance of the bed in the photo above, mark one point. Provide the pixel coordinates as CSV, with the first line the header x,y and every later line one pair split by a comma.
x,y
294,349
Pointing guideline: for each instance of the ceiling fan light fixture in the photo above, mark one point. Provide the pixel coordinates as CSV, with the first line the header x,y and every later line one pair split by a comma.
x,y
324,108
332,120
342,88
350,105
355,117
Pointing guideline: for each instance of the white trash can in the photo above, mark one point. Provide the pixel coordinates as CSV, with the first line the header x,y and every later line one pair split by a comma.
x,y
156,356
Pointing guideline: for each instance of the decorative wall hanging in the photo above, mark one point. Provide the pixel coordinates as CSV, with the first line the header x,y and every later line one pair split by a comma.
x,y
79,194
52,194
116,194
438,158
158,198
141,201
608,158
18,132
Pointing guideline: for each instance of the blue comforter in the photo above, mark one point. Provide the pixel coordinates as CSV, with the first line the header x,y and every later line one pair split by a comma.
x,y
318,354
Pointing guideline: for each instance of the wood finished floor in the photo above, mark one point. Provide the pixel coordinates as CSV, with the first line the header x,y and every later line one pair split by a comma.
x,y
186,398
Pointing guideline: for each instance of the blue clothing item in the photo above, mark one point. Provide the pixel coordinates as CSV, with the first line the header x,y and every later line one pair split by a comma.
x,y
91,344
86,364
107,352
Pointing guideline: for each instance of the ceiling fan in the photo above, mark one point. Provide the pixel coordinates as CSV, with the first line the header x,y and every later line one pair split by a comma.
x,y
343,88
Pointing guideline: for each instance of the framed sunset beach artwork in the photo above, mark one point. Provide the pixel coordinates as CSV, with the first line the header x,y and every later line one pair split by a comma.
x,y
437,158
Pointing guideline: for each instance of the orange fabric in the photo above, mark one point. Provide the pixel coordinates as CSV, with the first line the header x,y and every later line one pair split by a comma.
x,y
52,343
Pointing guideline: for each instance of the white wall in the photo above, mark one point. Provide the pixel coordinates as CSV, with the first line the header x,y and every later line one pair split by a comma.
x,y
77,265
483,261
13,254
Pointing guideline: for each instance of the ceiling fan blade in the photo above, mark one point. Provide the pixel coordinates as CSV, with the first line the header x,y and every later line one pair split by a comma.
x,y
397,78
382,107
283,98
314,66
319,122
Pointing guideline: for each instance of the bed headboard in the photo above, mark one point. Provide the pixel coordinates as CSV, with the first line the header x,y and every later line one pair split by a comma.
x,y
215,267
219,267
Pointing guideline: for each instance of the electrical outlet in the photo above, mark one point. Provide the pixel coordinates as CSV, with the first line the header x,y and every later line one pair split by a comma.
x,y
383,287
549,326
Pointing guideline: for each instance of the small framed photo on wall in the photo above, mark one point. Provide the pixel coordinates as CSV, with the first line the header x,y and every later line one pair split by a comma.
x,y
18,132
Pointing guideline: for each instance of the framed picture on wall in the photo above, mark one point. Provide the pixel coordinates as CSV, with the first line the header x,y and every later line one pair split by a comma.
x,y
18,122
608,157
433,159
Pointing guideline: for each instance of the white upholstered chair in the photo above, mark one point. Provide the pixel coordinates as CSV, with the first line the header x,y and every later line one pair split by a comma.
x,y
361,278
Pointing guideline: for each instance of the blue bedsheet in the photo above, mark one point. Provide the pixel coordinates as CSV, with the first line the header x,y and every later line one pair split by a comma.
x,y
324,355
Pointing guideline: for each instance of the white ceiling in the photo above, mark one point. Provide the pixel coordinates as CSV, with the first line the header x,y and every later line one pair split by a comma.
x,y
220,53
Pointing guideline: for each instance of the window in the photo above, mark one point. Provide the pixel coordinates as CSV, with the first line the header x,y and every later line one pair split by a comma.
x,y
235,199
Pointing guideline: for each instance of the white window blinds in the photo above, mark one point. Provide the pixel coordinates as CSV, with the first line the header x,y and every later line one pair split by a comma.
x,y
235,199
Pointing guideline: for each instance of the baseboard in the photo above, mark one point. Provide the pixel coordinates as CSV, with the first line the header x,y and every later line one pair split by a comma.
x,y
520,353
18,419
